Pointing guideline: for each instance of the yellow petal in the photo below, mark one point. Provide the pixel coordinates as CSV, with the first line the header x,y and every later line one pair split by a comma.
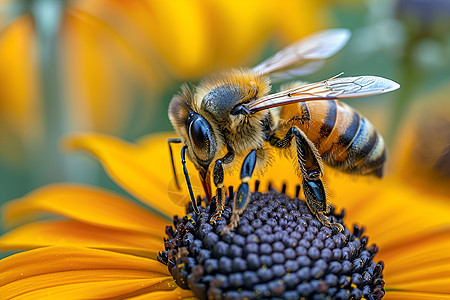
x,y
402,295
85,284
175,294
95,289
425,285
86,204
73,233
94,86
240,29
99,63
420,150
155,145
399,215
80,273
133,169
410,228
58,259
299,18
146,25
186,23
362,190
143,27
122,46
20,113
427,252
390,210
423,265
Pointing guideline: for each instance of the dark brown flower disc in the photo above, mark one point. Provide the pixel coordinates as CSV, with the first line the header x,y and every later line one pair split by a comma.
x,y
279,250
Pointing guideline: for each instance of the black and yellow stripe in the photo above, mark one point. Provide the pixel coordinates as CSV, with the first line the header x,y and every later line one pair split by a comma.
x,y
345,139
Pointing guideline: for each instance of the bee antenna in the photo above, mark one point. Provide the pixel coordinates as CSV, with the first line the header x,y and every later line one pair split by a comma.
x,y
257,182
188,181
269,187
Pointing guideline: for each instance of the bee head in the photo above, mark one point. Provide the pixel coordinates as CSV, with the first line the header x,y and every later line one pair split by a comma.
x,y
196,132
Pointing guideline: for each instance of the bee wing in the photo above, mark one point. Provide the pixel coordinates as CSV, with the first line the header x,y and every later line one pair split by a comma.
x,y
305,56
331,89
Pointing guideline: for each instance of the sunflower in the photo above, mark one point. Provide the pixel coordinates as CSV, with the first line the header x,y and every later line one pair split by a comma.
x,y
98,244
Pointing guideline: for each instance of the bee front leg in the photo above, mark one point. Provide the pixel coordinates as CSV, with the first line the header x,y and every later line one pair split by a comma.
x,y
218,178
243,193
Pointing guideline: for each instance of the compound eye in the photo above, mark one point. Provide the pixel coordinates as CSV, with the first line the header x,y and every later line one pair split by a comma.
x,y
200,136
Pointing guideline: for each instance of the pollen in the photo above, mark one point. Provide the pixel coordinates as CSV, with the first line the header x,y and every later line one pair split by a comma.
x,y
278,250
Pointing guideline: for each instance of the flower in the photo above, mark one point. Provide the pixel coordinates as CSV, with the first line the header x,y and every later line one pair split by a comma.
x,y
424,146
20,107
279,249
106,245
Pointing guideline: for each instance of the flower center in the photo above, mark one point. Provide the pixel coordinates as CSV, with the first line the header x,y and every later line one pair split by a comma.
x,y
278,250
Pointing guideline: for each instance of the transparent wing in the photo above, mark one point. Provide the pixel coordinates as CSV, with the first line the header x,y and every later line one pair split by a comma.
x,y
331,89
305,56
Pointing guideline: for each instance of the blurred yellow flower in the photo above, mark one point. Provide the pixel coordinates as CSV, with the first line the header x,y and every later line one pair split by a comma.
x,y
422,152
110,52
105,245
20,106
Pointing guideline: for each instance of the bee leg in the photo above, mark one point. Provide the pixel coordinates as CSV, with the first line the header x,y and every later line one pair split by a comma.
x,y
169,142
311,168
317,202
188,181
218,177
243,193
220,204
336,227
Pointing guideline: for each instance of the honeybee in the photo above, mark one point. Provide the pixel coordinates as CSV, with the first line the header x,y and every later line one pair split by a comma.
x,y
232,115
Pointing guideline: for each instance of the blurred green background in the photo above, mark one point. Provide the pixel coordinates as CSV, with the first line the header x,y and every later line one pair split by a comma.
x,y
113,66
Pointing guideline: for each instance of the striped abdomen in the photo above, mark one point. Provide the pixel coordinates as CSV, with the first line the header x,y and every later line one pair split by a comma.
x,y
345,139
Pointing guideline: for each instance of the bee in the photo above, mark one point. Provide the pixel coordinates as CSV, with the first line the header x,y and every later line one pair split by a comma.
x,y
233,116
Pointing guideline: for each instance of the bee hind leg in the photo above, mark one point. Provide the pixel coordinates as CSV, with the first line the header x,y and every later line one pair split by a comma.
x,y
317,202
243,193
311,169
218,178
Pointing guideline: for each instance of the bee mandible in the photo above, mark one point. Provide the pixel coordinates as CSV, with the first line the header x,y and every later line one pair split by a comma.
x,y
232,115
